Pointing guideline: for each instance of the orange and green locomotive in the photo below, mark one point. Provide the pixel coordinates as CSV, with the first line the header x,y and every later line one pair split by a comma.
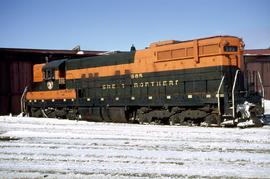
x,y
170,82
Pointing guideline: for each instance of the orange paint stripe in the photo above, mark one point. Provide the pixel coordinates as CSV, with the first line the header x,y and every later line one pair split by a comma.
x,y
55,94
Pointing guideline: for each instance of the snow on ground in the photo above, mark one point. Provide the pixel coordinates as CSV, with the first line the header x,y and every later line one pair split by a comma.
x,y
37,148
267,111
267,107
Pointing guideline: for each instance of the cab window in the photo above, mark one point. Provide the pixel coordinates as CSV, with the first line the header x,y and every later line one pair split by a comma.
x,y
49,74
230,49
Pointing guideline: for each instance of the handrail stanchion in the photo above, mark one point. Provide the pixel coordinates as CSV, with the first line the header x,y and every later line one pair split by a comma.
x,y
233,89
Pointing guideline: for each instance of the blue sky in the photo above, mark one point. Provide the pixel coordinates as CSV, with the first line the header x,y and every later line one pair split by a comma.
x,y
117,24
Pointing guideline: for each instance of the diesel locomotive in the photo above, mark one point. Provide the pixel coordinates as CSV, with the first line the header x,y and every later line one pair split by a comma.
x,y
196,82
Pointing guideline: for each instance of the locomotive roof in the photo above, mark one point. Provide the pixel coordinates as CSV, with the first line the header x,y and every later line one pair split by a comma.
x,y
168,42
211,37
54,64
103,60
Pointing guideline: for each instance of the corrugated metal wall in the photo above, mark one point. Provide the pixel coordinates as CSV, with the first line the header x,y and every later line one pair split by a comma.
x,y
260,64
16,73
20,77
4,86
266,79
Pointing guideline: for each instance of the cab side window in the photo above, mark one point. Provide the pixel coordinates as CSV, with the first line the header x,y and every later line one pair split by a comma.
x,y
230,49
49,74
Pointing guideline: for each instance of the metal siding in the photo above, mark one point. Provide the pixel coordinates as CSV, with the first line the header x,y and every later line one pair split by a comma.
x,y
198,87
14,78
4,105
265,77
267,92
18,76
15,104
264,68
266,74
4,80
26,75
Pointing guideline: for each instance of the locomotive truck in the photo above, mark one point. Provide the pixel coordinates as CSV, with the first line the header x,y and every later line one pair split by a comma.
x,y
192,82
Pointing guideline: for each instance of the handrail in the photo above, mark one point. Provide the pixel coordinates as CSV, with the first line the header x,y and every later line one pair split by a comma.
x,y
22,99
233,88
218,94
260,79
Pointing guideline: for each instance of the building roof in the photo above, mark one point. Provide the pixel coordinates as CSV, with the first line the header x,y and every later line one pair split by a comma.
x,y
52,52
257,52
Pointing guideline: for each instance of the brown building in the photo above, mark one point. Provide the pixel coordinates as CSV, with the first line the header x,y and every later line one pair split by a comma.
x,y
258,60
16,72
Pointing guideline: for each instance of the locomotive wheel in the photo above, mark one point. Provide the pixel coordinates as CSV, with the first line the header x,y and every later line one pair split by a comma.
x,y
177,119
156,121
189,123
173,120
117,114
254,115
142,118
72,115
60,113
142,115
212,119
36,112
50,113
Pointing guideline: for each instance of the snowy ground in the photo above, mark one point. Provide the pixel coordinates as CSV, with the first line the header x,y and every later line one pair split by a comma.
x,y
38,148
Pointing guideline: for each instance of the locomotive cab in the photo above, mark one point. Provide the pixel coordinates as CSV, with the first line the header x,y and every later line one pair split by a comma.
x,y
54,74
